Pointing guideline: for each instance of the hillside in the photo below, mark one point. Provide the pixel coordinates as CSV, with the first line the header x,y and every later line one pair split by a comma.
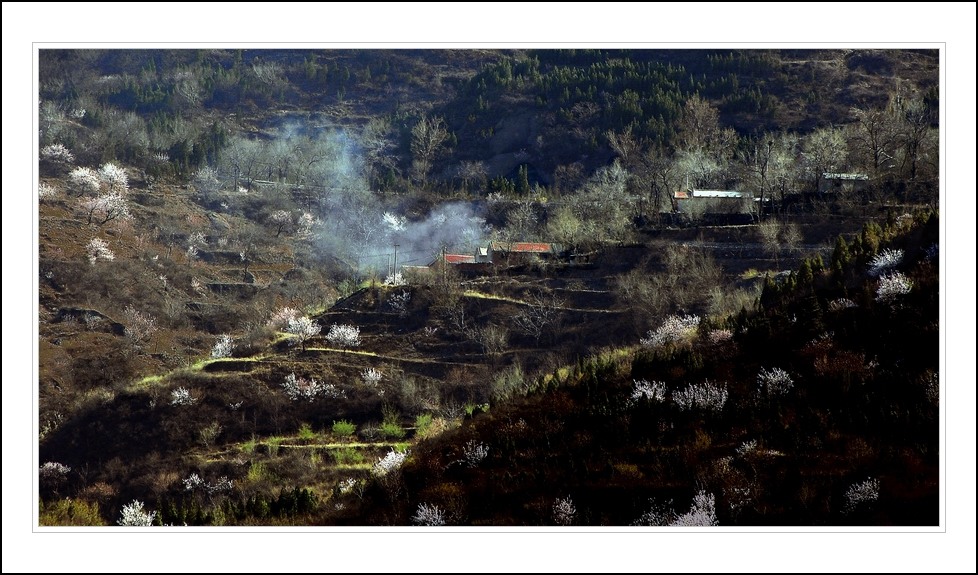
x,y
246,303
796,414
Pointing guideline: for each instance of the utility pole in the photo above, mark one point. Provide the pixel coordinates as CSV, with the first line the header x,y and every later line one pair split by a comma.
x,y
395,262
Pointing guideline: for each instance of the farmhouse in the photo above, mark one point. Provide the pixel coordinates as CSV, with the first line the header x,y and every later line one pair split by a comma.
x,y
718,206
833,183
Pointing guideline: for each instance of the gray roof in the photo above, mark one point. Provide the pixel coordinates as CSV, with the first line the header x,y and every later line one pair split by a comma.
x,y
843,176
733,194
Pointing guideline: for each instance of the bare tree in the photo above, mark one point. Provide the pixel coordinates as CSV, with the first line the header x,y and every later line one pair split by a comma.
x,y
541,316
624,144
876,135
472,173
428,138
824,150
699,129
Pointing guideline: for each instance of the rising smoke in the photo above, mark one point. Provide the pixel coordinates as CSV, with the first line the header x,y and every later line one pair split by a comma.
x,y
330,166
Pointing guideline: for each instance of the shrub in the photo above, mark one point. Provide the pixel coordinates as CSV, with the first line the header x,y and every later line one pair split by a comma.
x,y
392,430
298,388
181,396
84,181
701,514
474,452
650,391
429,516
371,376
862,494
774,382
673,330
841,304
224,346
133,515
706,396
115,177
344,428
70,512
305,432
52,470
57,153
347,456
194,482
303,329
747,447
46,190
422,423
564,511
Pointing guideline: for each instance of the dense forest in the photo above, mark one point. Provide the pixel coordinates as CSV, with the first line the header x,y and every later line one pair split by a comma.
x,y
568,287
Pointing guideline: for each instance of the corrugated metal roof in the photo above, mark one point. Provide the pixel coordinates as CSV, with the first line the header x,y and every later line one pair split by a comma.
x,y
524,247
842,176
459,259
682,195
733,194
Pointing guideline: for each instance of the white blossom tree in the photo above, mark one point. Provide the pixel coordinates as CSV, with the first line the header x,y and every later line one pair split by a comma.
x,y
114,177
885,261
389,463
57,153
892,287
344,335
281,220
223,347
674,330
98,249
281,317
302,329
106,207
139,326
83,181
206,182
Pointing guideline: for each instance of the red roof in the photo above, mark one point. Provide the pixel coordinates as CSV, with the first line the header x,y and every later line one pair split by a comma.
x,y
459,259
524,247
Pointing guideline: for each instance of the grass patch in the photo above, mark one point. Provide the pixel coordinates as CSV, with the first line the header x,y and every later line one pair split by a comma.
x,y
483,295
248,446
347,456
147,381
273,444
